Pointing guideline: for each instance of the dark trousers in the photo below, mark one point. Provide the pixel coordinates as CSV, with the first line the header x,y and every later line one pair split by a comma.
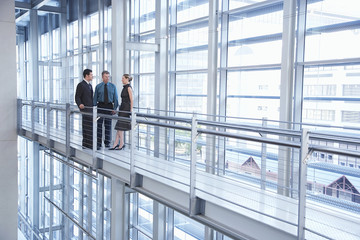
x,y
107,124
87,131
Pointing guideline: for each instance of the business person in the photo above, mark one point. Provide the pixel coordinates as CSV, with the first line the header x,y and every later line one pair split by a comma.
x,y
126,106
106,99
84,100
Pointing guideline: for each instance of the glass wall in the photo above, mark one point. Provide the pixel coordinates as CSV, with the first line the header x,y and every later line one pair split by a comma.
x,y
249,54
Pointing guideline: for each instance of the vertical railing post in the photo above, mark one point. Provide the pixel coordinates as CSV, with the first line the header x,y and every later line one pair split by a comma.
x,y
263,157
33,118
192,200
304,154
48,109
132,150
19,116
148,129
67,129
94,135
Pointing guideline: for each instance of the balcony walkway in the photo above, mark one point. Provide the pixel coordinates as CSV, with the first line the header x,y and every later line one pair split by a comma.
x,y
238,208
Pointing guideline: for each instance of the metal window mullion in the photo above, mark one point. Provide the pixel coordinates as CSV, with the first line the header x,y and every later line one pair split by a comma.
x,y
223,84
65,93
170,224
101,35
50,60
51,190
34,54
89,204
172,76
299,81
81,200
137,65
66,196
299,67
100,207
35,175
135,216
80,36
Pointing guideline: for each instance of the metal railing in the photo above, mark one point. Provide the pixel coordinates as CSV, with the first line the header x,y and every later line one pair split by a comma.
x,y
190,137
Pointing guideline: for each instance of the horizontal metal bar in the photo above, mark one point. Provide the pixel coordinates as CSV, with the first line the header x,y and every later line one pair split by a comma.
x,y
164,125
251,138
256,6
169,118
344,152
71,165
287,132
62,211
334,138
331,62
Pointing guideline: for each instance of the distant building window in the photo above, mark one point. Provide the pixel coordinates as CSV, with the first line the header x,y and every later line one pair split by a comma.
x,y
330,157
351,116
263,87
319,90
319,114
351,165
351,90
322,155
262,108
342,164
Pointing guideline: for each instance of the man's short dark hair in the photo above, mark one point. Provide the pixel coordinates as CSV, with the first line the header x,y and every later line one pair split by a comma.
x,y
87,72
104,72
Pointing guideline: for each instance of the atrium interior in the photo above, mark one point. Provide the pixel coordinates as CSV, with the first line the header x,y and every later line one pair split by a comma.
x,y
245,121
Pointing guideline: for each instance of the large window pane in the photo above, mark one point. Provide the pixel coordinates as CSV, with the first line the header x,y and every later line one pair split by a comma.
x,y
253,94
333,30
191,92
191,9
191,49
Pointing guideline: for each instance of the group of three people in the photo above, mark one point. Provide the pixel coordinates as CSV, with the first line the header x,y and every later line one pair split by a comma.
x,y
106,99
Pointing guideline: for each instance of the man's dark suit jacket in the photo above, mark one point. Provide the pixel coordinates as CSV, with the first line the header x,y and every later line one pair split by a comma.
x,y
84,95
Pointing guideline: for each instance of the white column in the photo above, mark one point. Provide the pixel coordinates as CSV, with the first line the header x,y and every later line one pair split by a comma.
x,y
161,72
211,84
286,91
8,137
119,210
118,34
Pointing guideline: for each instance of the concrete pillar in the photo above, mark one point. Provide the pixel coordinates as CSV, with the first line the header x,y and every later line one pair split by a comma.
x,y
8,137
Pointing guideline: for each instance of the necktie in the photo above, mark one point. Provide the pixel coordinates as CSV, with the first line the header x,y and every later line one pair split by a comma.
x,y
106,97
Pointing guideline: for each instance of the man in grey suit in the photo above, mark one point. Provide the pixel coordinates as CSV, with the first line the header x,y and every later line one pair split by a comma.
x,y
84,100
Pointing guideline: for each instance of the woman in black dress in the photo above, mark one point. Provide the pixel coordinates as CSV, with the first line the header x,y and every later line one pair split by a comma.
x,y
125,107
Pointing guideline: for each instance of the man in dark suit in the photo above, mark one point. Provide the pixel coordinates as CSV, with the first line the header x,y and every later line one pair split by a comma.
x,y
84,100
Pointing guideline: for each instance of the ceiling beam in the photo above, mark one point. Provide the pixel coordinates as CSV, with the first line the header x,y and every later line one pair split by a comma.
x,y
37,4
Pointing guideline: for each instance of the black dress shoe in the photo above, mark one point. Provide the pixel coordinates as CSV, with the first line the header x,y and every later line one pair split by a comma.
x,y
114,148
107,146
120,148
